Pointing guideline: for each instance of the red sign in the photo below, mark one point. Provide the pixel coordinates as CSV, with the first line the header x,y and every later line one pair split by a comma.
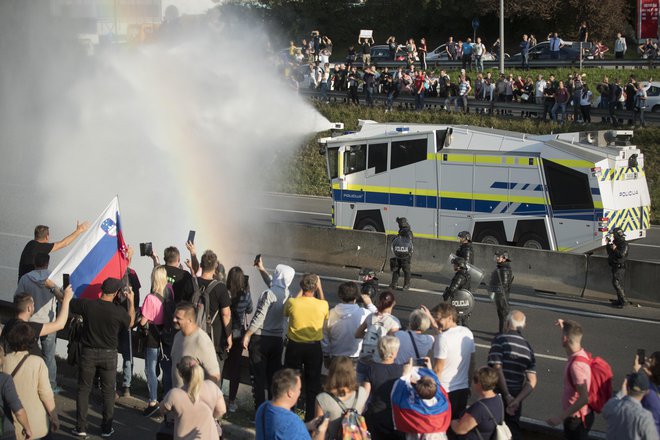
x,y
647,19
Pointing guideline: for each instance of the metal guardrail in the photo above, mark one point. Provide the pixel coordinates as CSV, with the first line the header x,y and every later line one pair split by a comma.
x,y
493,108
533,64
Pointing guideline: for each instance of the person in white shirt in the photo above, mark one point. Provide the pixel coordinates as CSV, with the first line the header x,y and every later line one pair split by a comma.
x,y
620,46
344,319
585,104
453,356
539,87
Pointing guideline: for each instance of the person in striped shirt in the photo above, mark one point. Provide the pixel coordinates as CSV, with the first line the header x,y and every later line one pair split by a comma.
x,y
513,358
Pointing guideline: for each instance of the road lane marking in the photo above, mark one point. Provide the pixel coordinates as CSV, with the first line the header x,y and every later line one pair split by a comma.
x,y
645,245
7,234
538,355
524,304
293,211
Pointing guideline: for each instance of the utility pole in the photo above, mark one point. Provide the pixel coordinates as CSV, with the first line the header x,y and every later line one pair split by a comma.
x,y
501,36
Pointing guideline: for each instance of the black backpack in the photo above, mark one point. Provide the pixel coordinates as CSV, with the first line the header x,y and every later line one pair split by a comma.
x,y
166,331
74,349
202,304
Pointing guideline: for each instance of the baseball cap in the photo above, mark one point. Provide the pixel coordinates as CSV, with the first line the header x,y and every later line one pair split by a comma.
x,y
638,382
366,271
111,285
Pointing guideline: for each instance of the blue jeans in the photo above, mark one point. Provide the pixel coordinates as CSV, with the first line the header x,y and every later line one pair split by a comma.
x,y
150,362
48,346
525,61
324,91
561,108
479,63
126,360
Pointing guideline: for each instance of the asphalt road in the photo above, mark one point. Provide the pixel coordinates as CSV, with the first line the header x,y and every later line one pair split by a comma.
x,y
317,211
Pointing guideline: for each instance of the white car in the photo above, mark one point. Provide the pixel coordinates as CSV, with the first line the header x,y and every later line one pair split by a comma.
x,y
652,96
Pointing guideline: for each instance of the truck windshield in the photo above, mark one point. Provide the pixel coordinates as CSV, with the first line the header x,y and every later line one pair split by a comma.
x,y
333,156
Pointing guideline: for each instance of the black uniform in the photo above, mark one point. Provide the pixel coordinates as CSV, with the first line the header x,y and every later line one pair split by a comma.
x,y
465,251
616,258
500,284
460,281
402,248
371,288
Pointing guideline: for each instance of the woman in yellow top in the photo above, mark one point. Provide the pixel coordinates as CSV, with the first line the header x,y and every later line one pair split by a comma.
x,y
307,317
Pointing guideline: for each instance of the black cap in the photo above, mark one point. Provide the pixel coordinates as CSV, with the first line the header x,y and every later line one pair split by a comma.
x,y
638,381
366,271
111,285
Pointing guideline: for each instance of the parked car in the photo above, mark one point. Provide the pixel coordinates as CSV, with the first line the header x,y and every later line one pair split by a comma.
x,y
439,54
652,96
570,51
381,53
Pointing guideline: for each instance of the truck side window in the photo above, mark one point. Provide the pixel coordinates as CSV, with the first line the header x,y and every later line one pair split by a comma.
x,y
355,159
408,152
333,157
378,157
568,188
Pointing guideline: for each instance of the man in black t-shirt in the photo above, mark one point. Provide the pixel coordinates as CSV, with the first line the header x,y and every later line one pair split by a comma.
x,y
102,321
219,306
180,279
41,244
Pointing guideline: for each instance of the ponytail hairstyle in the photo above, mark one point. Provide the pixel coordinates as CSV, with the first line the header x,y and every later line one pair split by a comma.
x,y
159,280
193,375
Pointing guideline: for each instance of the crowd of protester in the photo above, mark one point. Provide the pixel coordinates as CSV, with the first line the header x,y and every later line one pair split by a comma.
x,y
562,99
380,376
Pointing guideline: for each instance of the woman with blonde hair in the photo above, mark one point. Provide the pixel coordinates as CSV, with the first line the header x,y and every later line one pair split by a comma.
x,y
159,334
341,393
196,405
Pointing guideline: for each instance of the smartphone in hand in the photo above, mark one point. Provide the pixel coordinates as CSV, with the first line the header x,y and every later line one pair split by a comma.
x,y
65,280
257,259
191,236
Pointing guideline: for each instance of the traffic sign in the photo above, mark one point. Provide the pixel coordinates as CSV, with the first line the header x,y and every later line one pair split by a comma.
x,y
475,23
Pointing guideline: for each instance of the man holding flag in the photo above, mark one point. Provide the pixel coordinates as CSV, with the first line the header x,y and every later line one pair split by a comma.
x,y
97,264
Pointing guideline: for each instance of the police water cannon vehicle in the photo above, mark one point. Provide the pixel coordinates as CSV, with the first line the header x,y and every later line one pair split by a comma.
x,y
562,191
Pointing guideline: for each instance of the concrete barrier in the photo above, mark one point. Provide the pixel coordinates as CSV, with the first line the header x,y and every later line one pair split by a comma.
x,y
565,273
322,245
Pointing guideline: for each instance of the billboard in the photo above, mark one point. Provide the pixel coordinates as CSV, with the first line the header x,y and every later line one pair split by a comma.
x,y
647,19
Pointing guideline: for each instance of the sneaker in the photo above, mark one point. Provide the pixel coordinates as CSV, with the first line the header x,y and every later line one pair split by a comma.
x,y
127,392
108,434
150,410
233,407
77,433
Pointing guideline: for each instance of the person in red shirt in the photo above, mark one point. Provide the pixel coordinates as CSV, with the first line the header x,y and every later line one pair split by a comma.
x,y
420,89
576,414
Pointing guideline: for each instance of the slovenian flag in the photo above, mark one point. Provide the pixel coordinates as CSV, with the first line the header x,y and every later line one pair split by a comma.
x,y
100,253
411,414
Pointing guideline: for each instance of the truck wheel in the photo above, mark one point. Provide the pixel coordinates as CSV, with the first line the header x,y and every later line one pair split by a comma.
x,y
531,240
489,236
367,225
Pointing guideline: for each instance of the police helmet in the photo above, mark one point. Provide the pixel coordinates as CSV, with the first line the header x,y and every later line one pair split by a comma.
x,y
367,272
466,235
618,233
403,222
502,253
459,262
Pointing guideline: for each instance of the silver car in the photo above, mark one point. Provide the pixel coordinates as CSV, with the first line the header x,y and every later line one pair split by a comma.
x,y
439,54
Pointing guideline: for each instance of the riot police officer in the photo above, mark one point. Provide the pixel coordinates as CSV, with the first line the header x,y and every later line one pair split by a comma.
x,y
500,285
465,248
369,283
402,248
460,281
617,253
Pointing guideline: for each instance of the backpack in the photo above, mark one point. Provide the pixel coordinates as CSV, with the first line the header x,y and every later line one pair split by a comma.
x,y
600,390
375,331
74,348
166,331
200,299
502,432
353,425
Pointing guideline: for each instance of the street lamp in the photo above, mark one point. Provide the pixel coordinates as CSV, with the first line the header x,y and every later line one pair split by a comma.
x,y
501,36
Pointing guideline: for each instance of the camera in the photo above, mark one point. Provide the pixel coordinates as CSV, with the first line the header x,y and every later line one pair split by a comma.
x,y
420,362
146,249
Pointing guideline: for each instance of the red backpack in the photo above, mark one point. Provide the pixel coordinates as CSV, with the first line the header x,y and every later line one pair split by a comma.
x,y
600,390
